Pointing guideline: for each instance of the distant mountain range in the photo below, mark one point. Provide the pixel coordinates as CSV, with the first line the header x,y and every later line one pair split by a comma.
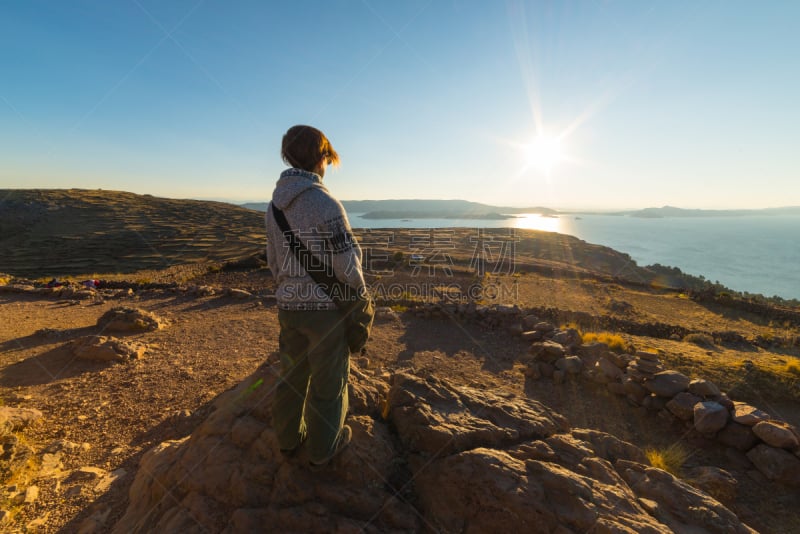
x,y
426,209
671,211
463,209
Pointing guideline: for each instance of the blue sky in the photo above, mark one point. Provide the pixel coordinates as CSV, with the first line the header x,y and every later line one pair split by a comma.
x,y
691,104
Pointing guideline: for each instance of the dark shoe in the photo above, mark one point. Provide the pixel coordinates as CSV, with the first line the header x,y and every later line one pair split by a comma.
x,y
289,453
345,435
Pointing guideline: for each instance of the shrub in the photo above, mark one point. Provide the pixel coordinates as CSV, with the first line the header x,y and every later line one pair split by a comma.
x,y
670,459
701,340
614,341
397,256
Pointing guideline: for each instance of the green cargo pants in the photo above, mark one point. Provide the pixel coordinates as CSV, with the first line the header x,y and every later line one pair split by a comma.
x,y
311,397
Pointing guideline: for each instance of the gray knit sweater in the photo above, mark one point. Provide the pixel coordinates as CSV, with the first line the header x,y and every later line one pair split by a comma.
x,y
319,220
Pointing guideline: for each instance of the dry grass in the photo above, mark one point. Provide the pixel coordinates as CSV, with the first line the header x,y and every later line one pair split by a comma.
x,y
614,341
701,340
670,459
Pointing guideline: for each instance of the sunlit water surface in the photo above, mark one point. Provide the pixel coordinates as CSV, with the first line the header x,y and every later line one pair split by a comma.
x,y
758,254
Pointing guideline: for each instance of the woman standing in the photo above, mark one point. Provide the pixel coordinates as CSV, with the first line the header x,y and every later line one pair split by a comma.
x,y
311,397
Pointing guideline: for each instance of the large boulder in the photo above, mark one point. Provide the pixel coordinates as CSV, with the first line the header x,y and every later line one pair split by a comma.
x,y
682,405
738,436
546,351
677,504
434,417
715,481
748,415
607,369
569,364
777,434
468,460
667,383
703,388
230,476
776,464
710,417
569,337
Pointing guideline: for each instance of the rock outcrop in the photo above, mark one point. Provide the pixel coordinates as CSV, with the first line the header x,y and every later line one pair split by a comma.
x,y
426,455
124,319
697,403
106,349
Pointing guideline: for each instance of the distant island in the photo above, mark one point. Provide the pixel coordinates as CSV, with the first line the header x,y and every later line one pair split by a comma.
x,y
434,215
427,209
671,211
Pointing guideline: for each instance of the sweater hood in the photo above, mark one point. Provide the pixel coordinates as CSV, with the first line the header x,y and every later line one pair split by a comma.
x,y
292,183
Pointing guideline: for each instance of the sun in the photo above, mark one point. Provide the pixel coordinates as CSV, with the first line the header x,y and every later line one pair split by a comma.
x,y
544,153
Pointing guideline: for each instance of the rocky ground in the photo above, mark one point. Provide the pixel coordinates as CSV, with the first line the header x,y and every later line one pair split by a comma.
x,y
457,425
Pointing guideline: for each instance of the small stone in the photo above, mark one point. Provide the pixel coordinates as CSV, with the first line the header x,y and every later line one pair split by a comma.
x,y
682,405
620,359
532,335
88,473
31,494
570,364
667,383
648,367
544,327
648,356
529,321
547,351
592,350
634,390
37,524
748,415
703,388
51,465
608,368
532,371
568,338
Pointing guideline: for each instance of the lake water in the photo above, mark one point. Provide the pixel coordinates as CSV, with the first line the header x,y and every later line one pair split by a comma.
x,y
758,254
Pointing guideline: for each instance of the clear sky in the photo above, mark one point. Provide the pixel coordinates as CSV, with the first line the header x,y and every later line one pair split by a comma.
x,y
634,104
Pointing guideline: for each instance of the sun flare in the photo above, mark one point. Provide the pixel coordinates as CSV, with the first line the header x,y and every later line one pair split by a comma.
x,y
544,153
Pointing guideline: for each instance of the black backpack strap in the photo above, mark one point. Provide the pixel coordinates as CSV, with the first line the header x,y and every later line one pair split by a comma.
x,y
317,268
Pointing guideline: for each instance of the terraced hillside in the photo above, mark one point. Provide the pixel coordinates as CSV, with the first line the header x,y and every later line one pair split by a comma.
x,y
63,232
75,231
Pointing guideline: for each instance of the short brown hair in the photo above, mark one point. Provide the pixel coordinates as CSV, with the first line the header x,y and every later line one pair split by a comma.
x,y
303,146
